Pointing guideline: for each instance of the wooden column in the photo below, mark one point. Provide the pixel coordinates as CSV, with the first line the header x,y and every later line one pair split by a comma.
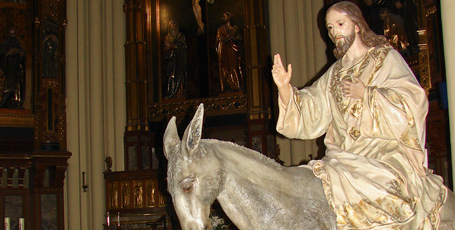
x,y
257,56
48,173
137,135
258,75
49,158
50,109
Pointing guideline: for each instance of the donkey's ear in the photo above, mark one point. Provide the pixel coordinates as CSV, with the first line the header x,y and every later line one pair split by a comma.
x,y
193,133
171,137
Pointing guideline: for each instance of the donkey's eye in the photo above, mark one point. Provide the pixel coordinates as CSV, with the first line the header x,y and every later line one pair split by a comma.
x,y
188,189
187,185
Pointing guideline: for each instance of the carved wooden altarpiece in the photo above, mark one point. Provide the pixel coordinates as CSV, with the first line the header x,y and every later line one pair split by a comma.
x,y
148,106
33,156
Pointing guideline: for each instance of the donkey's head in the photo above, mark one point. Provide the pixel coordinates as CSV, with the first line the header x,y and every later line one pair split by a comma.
x,y
194,174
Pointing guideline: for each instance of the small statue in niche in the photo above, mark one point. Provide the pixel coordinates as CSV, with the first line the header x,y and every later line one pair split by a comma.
x,y
175,52
228,40
126,195
394,30
114,195
138,194
13,66
151,195
50,54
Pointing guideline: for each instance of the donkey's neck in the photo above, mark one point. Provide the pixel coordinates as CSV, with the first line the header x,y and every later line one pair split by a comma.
x,y
245,166
256,189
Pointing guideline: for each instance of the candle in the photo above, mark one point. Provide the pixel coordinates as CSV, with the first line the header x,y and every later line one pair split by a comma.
x,y
108,224
118,219
7,227
21,224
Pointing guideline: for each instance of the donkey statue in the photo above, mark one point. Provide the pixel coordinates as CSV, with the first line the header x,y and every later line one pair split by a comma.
x,y
254,191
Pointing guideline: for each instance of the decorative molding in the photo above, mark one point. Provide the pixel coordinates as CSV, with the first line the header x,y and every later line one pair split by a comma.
x,y
133,190
51,9
16,119
219,105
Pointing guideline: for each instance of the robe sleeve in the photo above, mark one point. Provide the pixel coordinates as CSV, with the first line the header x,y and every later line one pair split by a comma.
x,y
307,115
395,107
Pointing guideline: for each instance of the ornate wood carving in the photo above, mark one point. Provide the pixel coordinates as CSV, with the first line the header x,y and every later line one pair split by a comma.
x,y
258,53
50,109
37,22
137,135
134,191
16,118
136,76
216,105
30,176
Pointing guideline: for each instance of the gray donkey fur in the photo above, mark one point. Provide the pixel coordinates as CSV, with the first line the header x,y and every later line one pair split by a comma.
x,y
254,191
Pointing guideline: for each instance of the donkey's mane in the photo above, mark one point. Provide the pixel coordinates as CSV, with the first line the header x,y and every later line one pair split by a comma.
x,y
243,150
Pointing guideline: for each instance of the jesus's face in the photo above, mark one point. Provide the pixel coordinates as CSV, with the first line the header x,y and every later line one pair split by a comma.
x,y
341,30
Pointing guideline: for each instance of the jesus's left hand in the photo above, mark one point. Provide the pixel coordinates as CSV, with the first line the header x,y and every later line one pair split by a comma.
x,y
354,89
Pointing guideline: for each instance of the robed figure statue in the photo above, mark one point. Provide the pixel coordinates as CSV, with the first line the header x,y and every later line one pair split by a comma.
x,y
228,40
50,54
175,52
13,66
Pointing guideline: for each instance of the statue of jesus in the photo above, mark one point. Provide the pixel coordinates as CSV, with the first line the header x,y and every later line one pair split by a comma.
x,y
372,110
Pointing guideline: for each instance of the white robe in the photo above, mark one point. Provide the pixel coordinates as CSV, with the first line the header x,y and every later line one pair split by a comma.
x,y
373,174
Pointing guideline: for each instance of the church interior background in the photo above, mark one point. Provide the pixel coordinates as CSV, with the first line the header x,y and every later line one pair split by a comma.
x,y
87,88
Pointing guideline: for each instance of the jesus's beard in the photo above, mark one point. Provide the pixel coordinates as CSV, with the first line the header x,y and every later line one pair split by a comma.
x,y
343,45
